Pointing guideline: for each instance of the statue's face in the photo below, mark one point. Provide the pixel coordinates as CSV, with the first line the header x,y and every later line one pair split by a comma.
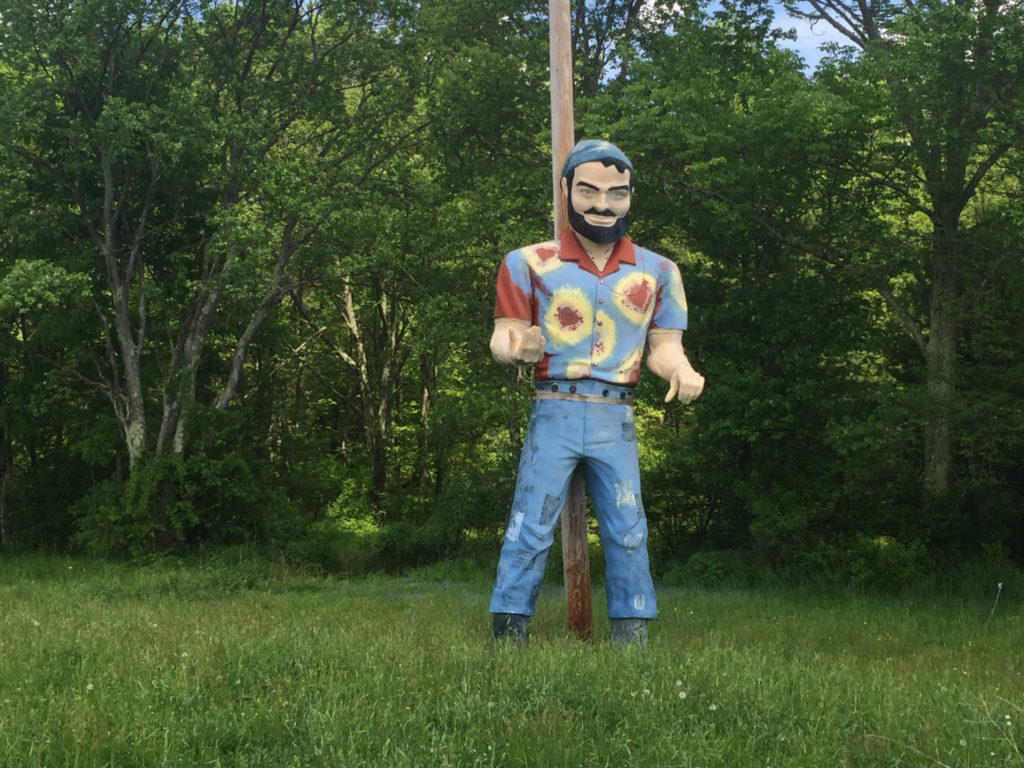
x,y
599,201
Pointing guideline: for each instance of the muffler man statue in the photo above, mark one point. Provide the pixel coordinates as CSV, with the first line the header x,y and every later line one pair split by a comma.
x,y
582,309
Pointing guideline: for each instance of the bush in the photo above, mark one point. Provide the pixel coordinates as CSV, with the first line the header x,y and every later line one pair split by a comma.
x,y
147,513
883,564
719,569
342,547
411,545
170,502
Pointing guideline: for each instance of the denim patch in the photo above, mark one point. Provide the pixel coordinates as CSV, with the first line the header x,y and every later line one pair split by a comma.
x,y
625,496
503,569
549,511
515,526
526,560
629,427
632,541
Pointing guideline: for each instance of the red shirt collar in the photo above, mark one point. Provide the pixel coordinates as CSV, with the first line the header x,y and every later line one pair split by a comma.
x,y
571,250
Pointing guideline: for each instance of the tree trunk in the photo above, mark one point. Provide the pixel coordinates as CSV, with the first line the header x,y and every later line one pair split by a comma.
x,y
183,371
126,280
274,292
378,468
129,403
5,519
428,382
8,463
378,359
941,368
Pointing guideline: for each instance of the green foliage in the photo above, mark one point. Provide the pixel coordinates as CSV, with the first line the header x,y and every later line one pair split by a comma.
x,y
170,502
883,563
717,569
149,511
262,239
30,287
347,547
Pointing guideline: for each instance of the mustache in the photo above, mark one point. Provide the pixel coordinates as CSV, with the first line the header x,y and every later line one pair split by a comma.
x,y
596,212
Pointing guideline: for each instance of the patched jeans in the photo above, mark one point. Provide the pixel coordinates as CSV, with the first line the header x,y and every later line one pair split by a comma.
x,y
600,437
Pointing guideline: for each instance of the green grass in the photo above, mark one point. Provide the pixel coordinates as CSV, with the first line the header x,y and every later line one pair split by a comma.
x,y
189,666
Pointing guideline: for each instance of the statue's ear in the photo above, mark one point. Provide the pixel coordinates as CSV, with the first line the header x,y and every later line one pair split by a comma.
x,y
565,187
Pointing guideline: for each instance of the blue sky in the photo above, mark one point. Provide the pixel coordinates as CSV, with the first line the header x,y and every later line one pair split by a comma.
x,y
809,40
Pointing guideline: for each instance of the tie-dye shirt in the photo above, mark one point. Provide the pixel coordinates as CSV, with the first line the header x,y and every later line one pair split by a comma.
x,y
594,323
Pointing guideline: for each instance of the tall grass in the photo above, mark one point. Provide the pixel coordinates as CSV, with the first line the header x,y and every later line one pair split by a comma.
x,y
189,666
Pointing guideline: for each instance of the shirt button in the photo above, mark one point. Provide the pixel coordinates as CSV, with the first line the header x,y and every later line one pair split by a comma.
x,y
600,301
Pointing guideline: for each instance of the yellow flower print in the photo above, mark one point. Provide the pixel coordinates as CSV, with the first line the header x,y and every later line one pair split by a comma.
x,y
542,257
630,366
675,288
569,318
635,296
578,369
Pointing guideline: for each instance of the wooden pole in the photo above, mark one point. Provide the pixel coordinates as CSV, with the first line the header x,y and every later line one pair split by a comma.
x,y
562,122
575,554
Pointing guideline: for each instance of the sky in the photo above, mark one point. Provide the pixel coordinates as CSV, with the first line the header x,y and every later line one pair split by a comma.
x,y
808,40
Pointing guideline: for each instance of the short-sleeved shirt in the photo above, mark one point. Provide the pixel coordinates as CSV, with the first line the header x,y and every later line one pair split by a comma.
x,y
594,323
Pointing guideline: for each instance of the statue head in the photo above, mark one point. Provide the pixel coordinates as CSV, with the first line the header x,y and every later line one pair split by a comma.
x,y
597,178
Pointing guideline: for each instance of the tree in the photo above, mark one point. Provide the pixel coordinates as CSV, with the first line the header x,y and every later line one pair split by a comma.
x,y
394,310
942,86
199,149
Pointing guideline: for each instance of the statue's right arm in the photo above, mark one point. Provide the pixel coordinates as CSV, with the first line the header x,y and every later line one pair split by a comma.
x,y
515,341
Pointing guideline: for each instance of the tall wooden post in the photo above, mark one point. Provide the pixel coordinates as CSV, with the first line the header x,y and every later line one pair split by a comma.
x,y
575,554
562,121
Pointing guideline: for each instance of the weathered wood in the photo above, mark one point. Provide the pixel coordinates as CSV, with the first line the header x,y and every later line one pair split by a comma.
x,y
575,555
576,560
562,121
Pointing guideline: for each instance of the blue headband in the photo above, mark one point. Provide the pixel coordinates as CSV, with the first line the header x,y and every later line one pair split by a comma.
x,y
590,150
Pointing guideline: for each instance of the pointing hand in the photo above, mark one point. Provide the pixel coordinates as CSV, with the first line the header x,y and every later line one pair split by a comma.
x,y
686,384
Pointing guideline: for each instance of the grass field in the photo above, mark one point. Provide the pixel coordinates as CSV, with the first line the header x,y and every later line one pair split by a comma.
x,y
171,665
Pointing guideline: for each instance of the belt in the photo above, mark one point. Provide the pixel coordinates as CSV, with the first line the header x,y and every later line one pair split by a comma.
x,y
553,393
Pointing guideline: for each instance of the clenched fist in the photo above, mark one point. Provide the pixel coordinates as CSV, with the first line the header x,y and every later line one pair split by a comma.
x,y
527,346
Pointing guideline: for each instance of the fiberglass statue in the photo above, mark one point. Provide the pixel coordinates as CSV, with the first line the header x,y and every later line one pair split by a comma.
x,y
582,309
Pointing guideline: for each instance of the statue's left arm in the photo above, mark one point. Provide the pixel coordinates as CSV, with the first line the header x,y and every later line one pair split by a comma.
x,y
667,359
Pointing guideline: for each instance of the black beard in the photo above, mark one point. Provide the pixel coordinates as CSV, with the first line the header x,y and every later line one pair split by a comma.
x,y
599,235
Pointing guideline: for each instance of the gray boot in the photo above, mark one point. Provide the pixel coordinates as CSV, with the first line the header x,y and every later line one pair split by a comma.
x,y
628,632
511,627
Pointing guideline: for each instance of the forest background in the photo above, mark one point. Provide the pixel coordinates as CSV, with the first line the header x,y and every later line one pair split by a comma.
x,y
247,255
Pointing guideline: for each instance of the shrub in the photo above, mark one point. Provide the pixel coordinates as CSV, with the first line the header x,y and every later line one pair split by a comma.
x,y
719,569
151,511
883,564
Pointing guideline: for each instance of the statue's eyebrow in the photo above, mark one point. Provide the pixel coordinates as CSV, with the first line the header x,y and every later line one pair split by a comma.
x,y
588,185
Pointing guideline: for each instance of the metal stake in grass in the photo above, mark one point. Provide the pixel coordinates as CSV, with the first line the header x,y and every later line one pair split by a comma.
x,y
999,591
575,556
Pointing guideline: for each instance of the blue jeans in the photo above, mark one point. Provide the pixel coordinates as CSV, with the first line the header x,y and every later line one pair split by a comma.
x,y
602,438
